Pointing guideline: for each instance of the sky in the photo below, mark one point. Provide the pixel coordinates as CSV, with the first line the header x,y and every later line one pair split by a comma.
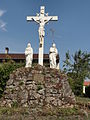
x,y
71,31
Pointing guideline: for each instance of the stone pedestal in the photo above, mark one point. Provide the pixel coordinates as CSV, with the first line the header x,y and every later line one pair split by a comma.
x,y
38,87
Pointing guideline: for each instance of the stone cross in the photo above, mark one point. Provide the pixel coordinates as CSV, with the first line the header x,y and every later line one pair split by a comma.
x,y
41,18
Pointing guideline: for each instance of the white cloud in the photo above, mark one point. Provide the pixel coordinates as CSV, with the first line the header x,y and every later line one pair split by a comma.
x,y
2,12
2,23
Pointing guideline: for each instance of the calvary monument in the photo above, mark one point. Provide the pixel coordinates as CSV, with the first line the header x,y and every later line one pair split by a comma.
x,y
42,18
38,87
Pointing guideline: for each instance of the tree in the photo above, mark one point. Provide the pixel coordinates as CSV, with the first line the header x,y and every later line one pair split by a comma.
x,y
77,68
6,69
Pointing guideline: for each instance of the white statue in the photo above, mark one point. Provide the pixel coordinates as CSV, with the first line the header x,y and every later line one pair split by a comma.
x,y
42,18
29,55
52,56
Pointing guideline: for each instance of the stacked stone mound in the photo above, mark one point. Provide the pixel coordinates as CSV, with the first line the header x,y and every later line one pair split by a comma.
x,y
37,87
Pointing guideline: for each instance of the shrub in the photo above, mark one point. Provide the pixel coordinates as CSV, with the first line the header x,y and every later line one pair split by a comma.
x,y
5,71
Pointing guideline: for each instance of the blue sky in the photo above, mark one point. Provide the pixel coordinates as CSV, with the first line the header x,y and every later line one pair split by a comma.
x,y
71,31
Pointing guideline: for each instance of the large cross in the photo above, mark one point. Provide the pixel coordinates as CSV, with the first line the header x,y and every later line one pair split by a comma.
x,y
42,18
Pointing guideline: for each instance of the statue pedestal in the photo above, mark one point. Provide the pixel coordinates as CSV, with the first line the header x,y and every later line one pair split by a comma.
x,y
37,87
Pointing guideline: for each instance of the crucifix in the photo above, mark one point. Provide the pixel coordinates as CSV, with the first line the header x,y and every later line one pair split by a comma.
x,y
41,18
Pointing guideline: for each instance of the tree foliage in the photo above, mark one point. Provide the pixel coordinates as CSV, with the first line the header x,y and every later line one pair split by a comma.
x,y
77,68
5,69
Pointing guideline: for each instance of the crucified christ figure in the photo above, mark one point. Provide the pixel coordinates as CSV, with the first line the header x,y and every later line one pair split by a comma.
x,y
42,18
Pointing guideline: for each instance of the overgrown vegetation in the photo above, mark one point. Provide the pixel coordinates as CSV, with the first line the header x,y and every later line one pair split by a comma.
x,y
20,113
13,111
5,69
42,112
83,100
77,68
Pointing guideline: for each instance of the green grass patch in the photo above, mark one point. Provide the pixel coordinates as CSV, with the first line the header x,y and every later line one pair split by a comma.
x,y
13,111
45,113
82,100
61,111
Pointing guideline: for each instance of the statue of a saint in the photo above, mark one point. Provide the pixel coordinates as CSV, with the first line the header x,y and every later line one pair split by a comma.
x,y
29,55
52,56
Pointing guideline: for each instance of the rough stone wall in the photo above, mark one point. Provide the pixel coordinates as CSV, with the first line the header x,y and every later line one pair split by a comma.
x,y
36,87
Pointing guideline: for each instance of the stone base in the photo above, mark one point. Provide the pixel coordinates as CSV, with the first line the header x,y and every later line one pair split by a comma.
x,y
37,87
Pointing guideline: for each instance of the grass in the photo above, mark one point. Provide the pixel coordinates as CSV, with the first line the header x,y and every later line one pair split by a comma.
x,y
45,113
84,103
83,100
14,113
62,111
